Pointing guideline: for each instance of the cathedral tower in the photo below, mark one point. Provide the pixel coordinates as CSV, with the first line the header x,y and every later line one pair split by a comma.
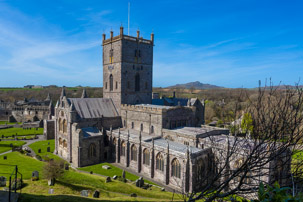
x,y
127,69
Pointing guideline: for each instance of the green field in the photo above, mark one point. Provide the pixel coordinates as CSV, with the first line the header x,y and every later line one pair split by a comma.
x,y
8,132
43,146
5,145
110,172
9,123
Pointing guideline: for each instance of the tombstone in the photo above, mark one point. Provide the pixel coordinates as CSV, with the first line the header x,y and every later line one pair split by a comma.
x,y
2,181
115,177
140,182
106,167
51,182
123,174
84,193
51,191
48,143
108,180
66,167
133,195
11,144
163,189
39,150
4,157
96,194
35,175
91,172
48,149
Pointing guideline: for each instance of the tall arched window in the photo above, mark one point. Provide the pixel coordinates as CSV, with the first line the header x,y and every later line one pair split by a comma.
x,y
159,162
64,126
92,152
141,127
176,168
111,83
146,157
133,156
137,82
60,124
60,141
64,144
123,146
152,129
133,125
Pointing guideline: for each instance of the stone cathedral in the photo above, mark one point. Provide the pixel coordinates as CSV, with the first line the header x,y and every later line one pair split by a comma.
x,y
167,144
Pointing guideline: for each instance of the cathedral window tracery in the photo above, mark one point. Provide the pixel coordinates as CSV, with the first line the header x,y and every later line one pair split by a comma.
x,y
111,83
92,152
176,168
134,153
159,162
146,157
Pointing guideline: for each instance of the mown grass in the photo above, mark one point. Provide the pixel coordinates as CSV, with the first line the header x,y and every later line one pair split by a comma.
x,y
6,145
43,144
8,132
9,123
26,164
110,172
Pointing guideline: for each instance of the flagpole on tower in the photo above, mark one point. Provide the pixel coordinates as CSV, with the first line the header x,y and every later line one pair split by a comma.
x,y
128,16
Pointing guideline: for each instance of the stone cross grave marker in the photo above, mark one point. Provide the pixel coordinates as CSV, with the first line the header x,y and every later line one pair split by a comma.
x,y
84,193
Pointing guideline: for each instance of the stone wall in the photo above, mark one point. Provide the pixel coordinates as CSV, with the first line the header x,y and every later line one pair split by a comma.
x,y
49,129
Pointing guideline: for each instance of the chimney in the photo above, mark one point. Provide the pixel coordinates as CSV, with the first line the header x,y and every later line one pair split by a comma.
x,y
104,37
138,34
121,31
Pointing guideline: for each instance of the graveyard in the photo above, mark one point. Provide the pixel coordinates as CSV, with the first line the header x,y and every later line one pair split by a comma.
x,y
76,184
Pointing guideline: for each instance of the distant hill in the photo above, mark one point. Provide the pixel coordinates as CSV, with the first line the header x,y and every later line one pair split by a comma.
x,y
195,85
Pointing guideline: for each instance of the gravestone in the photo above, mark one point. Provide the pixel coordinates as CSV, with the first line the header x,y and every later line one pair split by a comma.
x,y
163,189
84,193
2,181
106,167
51,191
48,149
51,182
35,175
140,182
123,174
115,177
66,167
108,180
133,195
39,150
4,157
91,172
96,194
48,143
11,144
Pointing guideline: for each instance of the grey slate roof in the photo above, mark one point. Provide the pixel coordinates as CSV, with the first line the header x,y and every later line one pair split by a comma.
x,y
90,132
155,106
94,107
174,146
203,131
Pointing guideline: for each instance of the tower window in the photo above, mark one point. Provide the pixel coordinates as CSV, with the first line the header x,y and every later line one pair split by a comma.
x,y
116,85
141,128
111,83
137,82
128,85
145,85
105,85
133,66
141,67
152,129
132,125
111,55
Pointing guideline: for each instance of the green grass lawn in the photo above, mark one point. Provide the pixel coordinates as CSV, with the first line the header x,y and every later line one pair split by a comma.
x,y
110,172
9,123
5,145
20,132
26,165
43,146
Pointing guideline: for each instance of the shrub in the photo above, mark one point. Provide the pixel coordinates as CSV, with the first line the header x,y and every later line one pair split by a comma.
x,y
39,157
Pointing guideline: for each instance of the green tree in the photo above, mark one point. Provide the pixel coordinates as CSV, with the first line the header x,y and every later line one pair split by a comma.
x,y
247,123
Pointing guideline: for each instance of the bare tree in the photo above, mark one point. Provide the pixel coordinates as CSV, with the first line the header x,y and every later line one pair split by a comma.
x,y
264,155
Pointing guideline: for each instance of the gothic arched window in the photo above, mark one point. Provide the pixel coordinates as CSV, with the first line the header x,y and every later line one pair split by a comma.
x,y
152,129
123,146
176,168
111,83
60,124
133,156
146,157
60,141
92,152
159,162
64,144
141,127
137,82
64,126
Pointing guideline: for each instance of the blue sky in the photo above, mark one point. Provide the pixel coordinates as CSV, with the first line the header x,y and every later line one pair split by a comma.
x,y
226,43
